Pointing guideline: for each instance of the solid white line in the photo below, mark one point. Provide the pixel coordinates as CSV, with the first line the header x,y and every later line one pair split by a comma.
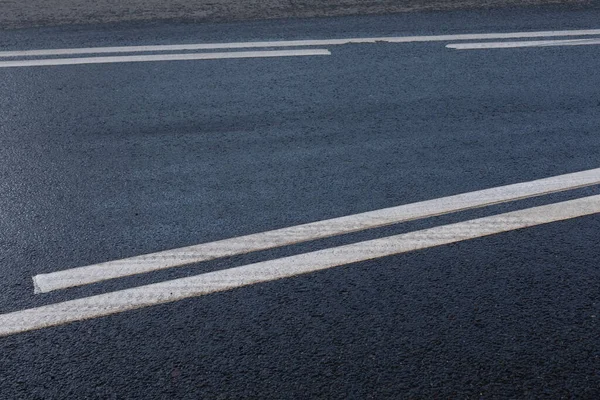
x,y
44,283
296,43
163,57
179,289
532,43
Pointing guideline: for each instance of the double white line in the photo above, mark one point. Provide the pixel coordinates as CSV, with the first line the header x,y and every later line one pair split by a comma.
x,y
178,289
50,54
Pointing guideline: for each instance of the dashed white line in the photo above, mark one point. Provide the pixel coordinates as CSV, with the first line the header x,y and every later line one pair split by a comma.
x,y
163,57
179,289
517,44
296,43
317,230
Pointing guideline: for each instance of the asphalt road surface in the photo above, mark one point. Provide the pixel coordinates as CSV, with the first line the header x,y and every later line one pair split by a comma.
x,y
22,14
492,294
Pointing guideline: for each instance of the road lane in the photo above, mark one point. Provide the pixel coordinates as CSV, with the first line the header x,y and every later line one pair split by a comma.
x,y
228,279
298,43
111,161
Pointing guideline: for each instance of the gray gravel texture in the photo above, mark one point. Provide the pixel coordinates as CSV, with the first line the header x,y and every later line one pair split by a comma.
x,y
32,13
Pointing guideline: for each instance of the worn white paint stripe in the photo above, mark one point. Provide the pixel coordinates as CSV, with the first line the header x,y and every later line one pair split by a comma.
x,y
163,57
179,289
317,230
531,43
296,43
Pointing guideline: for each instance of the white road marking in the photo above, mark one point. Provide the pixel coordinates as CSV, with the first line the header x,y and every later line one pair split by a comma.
x,y
532,43
163,57
296,43
179,289
44,283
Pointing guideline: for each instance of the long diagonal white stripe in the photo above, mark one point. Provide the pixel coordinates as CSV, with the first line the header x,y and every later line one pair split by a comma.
x,y
529,43
317,230
179,289
297,43
163,57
